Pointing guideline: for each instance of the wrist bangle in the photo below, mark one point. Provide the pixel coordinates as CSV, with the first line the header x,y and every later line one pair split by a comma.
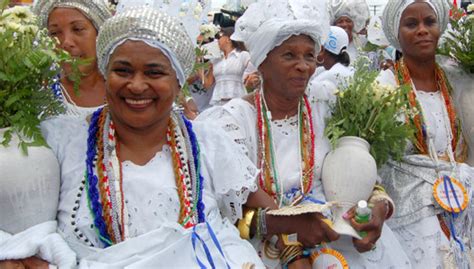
x,y
244,224
262,221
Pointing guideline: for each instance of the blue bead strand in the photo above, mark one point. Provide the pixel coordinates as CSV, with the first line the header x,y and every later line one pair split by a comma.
x,y
91,181
197,161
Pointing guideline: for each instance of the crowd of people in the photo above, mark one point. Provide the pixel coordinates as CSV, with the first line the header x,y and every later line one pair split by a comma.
x,y
144,185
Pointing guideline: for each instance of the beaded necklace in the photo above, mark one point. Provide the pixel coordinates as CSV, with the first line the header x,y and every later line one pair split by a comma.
x,y
104,190
268,178
421,135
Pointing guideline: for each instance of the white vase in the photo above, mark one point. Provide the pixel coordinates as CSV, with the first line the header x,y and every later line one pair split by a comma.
x,y
349,175
29,191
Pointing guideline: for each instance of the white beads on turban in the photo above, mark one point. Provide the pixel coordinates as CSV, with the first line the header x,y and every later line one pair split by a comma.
x,y
356,10
97,11
393,11
267,24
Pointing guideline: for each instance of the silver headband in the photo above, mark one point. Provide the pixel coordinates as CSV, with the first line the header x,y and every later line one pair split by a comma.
x,y
97,11
152,27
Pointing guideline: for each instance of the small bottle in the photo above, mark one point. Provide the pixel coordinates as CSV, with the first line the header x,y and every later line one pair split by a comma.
x,y
362,215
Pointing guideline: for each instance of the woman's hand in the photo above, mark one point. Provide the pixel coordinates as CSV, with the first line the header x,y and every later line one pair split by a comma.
x,y
252,81
373,227
28,263
311,228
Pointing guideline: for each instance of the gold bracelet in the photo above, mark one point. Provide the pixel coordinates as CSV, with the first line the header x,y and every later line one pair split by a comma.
x,y
289,253
244,224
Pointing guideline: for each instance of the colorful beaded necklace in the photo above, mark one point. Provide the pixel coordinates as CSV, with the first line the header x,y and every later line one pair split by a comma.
x,y
268,178
421,136
104,190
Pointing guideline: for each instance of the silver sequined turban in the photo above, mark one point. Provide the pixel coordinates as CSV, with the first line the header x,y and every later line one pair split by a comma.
x,y
356,10
393,11
97,11
153,27
266,24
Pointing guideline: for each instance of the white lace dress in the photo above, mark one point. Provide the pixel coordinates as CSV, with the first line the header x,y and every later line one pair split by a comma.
x,y
155,240
417,227
71,109
238,118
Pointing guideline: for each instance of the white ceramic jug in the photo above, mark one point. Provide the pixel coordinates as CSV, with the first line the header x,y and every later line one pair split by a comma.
x,y
29,186
349,175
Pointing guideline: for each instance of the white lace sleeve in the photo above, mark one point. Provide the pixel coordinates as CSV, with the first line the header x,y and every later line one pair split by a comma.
x,y
237,119
232,174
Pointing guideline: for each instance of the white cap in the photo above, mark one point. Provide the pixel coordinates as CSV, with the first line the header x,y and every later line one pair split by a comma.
x,y
336,41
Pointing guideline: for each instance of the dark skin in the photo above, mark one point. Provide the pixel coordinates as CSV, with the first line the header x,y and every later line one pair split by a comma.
x,y
76,35
327,59
418,36
286,72
347,24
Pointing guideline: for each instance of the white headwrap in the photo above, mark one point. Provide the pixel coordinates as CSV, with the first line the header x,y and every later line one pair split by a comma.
x,y
356,10
97,11
393,11
267,24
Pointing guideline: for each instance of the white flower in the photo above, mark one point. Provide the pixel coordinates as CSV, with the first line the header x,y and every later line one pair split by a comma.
x,y
198,11
13,26
470,8
208,30
19,14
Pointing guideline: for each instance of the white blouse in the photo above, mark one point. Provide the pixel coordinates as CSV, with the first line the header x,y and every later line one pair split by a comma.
x,y
152,203
229,74
337,76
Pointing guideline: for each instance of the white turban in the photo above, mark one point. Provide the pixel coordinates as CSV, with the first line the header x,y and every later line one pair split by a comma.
x,y
356,10
267,24
97,11
393,11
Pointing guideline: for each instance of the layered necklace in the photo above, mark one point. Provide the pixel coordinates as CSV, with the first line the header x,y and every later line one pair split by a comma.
x,y
269,179
421,135
104,177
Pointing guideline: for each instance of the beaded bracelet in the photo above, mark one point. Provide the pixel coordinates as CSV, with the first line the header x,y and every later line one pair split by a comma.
x,y
262,227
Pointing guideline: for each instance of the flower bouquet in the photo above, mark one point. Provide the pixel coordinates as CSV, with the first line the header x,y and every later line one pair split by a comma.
x,y
367,127
29,64
459,39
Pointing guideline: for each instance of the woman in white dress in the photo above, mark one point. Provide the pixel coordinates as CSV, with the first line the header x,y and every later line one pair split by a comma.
x,y
352,16
76,23
282,131
335,61
434,161
141,186
229,71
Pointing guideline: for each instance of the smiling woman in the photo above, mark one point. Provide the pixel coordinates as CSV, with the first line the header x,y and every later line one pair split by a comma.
x,y
153,184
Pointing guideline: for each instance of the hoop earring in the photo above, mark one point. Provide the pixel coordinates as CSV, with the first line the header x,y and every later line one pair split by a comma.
x,y
319,62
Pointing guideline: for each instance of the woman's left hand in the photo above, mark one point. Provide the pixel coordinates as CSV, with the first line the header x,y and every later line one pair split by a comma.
x,y
373,227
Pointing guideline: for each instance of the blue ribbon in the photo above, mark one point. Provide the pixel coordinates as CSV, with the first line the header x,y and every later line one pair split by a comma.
x,y
313,200
454,215
195,237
